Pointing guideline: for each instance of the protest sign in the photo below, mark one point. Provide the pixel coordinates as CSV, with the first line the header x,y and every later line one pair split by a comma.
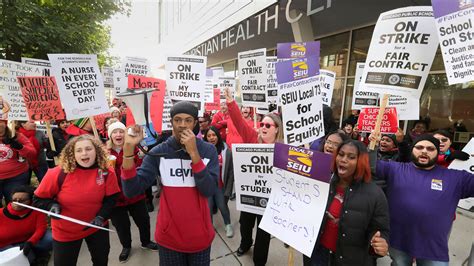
x,y
118,76
408,108
468,165
166,119
41,97
253,77
300,101
136,66
401,52
360,97
100,120
12,104
298,50
223,83
186,79
368,118
108,75
44,65
80,84
216,105
297,202
253,172
272,89
209,88
454,21
326,85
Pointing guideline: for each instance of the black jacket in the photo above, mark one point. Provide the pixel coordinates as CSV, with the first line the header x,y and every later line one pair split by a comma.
x,y
364,212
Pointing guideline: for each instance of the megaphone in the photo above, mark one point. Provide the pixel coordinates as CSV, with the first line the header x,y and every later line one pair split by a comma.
x,y
138,101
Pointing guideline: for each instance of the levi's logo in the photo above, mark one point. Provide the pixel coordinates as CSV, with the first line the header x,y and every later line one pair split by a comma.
x,y
437,184
177,172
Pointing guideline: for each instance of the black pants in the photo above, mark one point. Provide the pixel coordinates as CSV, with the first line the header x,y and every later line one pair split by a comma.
x,y
176,258
121,222
66,253
262,239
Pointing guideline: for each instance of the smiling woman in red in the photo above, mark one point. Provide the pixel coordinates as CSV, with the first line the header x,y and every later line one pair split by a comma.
x,y
81,187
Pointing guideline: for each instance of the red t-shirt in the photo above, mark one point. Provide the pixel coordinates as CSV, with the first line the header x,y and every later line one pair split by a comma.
x,y
80,197
331,229
21,226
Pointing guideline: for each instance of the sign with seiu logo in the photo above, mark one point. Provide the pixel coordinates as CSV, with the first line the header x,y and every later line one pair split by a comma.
x,y
298,50
304,162
296,69
177,172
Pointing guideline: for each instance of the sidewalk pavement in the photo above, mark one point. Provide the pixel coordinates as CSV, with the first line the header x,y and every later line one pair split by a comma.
x,y
223,248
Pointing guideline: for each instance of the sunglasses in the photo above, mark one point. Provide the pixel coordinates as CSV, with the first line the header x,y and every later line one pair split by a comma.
x,y
428,148
267,125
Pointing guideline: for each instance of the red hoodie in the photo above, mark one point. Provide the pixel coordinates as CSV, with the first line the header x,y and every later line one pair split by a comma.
x,y
21,226
9,164
31,135
220,122
246,131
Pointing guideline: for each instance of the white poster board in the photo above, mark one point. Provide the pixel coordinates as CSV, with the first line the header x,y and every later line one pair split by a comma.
x,y
43,64
137,66
223,83
360,97
13,106
327,79
468,166
253,77
401,52
253,173
295,210
80,84
272,85
454,21
186,79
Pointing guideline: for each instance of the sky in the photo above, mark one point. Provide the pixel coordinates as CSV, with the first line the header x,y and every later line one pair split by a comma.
x,y
137,34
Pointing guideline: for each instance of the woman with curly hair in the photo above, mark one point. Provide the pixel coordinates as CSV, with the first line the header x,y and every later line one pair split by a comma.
x,y
82,187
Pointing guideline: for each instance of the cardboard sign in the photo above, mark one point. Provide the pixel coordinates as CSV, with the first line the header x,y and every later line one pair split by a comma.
x,y
468,165
11,99
298,50
368,118
297,203
136,66
401,52
455,24
253,172
253,77
186,79
41,97
327,79
300,101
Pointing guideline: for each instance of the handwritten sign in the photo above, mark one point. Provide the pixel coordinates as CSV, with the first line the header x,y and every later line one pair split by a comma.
x,y
41,97
368,118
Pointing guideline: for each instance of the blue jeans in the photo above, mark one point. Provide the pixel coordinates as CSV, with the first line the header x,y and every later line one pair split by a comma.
x,y
7,185
400,258
218,199
44,245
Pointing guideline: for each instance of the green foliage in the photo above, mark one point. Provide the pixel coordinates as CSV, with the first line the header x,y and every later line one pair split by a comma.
x,y
35,28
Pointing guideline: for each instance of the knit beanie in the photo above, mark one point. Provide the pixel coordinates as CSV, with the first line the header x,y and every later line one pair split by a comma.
x,y
428,137
81,122
114,109
184,107
444,133
114,126
392,137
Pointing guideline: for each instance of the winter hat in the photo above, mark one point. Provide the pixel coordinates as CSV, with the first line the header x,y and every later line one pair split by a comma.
x,y
184,107
392,137
80,123
114,126
444,133
113,109
428,137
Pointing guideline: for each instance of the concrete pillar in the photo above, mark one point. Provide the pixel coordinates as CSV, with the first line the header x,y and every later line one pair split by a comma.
x,y
302,28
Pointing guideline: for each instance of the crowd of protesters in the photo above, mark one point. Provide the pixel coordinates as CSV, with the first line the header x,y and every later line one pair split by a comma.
x,y
378,201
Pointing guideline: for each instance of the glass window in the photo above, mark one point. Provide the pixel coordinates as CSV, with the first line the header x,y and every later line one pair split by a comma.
x,y
333,54
229,69
360,47
337,96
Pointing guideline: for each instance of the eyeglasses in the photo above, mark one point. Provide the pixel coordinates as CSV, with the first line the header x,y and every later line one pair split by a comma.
x,y
444,140
332,143
267,125
428,148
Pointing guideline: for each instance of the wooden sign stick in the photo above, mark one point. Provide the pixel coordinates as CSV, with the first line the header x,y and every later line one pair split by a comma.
x,y
51,140
378,123
94,127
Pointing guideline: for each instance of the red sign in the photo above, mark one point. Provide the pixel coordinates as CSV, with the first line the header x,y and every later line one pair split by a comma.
x,y
41,97
99,121
141,82
368,118
216,104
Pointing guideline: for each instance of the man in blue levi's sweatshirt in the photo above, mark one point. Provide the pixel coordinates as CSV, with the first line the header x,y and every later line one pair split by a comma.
x,y
422,198
188,169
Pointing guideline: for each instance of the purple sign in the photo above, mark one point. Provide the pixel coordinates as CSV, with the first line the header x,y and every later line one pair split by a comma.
x,y
298,49
296,69
444,7
304,162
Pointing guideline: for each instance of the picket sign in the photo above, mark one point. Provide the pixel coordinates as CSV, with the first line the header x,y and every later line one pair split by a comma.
x,y
376,132
94,127
51,140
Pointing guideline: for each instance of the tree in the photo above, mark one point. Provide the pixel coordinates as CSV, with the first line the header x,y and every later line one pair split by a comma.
x,y
34,28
